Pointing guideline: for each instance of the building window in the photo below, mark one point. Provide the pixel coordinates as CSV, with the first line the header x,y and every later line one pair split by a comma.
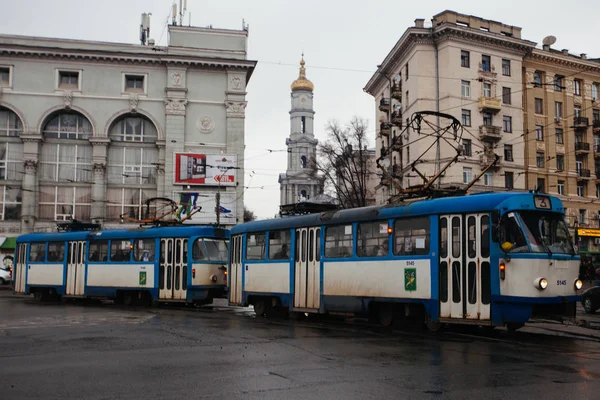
x,y
406,71
10,202
539,132
558,110
505,67
558,83
303,162
487,89
465,87
465,59
539,106
595,90
131,168
466,117
64,203
135,83
559,136
11,161
467,175
10,123
507,123
541,185
537,79
486,63
539,159
68,79
577,111
561,187
302,124
467,148
488,179
598,190
487,119
581,189
560,162
508,152
506,95
595,115
68,126
407,98
583,216
508,180
577,87
4,76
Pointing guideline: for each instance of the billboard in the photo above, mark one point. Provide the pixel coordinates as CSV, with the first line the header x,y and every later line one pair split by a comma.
x,y
205,169
190,201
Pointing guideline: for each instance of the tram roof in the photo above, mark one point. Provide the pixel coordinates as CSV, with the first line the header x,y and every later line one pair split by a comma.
x,y
150,232
477,202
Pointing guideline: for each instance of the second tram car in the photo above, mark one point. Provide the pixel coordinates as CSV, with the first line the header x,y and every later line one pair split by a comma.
x,y
157,264
492,259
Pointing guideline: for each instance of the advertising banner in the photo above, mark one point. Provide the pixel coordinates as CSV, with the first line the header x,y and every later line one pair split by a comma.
x,y
205,169
190,201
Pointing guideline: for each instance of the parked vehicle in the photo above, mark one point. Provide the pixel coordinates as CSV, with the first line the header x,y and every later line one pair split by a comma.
x,y
590,299
5,274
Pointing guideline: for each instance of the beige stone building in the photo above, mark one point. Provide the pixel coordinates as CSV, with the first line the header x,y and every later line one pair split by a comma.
x,y
464,66
562,134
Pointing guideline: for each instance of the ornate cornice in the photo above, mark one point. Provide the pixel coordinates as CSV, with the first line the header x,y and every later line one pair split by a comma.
x,y
175,106
31,138
236,109
561,60
99,141
100,168
30,165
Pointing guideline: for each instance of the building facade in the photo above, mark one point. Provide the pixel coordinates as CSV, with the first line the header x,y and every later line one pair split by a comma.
x,y
562,126
91,130
464,66
299,182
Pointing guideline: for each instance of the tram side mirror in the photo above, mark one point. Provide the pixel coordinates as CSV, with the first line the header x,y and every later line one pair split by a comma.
x,y
495,225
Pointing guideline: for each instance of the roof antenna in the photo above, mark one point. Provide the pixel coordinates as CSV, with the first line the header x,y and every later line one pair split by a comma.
x,y
145,28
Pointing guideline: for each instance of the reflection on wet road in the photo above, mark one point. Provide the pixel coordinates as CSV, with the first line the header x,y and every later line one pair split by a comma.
x,y
102,352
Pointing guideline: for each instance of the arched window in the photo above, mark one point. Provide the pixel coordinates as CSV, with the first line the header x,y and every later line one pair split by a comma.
x,y
131,169
303,195
11,164
65,171
303,162
302,124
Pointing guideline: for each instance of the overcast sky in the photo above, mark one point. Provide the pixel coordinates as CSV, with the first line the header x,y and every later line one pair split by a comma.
x,y
343,41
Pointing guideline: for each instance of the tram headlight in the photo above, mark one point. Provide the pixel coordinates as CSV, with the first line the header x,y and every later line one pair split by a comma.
x,y
578,284
541,283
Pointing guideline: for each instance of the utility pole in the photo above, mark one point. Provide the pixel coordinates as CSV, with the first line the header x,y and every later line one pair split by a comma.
x,y
219,205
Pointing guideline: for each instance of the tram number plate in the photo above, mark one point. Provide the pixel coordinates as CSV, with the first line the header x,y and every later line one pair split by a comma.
x,y
561,282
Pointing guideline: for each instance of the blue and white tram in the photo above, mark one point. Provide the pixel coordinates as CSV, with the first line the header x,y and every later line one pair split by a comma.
x,y
132,266
489,259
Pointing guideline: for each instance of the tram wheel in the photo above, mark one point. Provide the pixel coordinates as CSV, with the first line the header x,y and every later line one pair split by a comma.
x,y
385,314
40,295
432,326
260,307
513,326
128,298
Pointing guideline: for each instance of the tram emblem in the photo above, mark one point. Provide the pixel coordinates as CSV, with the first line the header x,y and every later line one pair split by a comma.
x,y
410,279
142,278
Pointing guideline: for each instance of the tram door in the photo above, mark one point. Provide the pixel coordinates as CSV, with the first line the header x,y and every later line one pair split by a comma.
x,y
307,286
464,271
173,269
76,269
19,268
235,273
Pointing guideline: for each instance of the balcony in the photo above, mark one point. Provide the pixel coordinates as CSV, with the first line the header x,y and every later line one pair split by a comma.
x,y
582,147
596,125
397,119
384,105
397,91
583,173
581,122
490,132
597,151
489,104
385,129
488,158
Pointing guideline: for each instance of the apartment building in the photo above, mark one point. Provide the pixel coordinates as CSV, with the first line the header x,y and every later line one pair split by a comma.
x,y
465,66
91,130
562,134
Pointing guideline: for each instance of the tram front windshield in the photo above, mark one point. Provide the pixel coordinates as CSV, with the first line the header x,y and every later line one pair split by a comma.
x,y
537,232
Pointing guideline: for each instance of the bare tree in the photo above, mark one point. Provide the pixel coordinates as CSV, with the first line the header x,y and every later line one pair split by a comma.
x,y
248,215
343,162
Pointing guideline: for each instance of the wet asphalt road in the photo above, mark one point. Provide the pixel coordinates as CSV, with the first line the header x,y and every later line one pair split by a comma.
x,y
76,351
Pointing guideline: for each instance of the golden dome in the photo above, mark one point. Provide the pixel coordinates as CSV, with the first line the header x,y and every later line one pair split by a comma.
x,y
302,83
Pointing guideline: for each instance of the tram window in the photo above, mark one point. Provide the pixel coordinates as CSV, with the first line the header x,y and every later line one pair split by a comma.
x,y
279,245
485,236
119,250
56,251
338,241
411,236
471,233
372,239
486,284
37,252
472,282
98,251
456,237
143,249
456,282
216,249
255,246
303,245
318,249
444,238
